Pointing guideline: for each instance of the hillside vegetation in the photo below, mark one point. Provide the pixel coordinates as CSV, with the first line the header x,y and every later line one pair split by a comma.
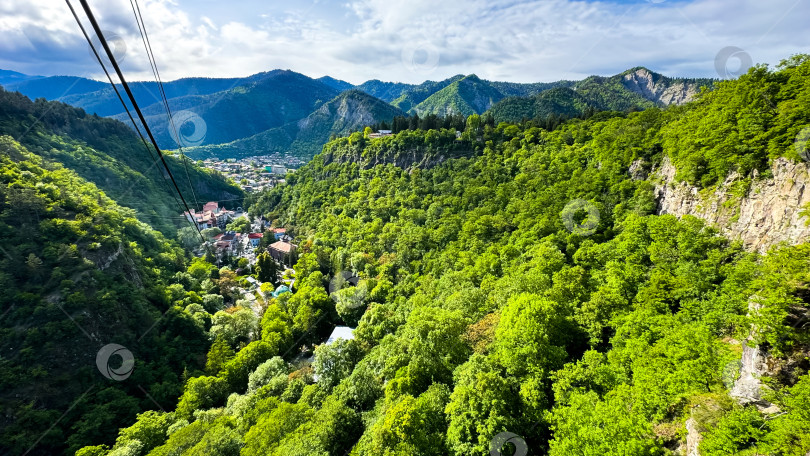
x,y
517,280
109,154
79,272
244,110
350,111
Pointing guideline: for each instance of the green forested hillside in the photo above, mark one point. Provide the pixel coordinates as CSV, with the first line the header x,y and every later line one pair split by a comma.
x,y
411,97
351,110
79,272
516,280
386,91
468,95
243,110
109,154
336,84
562,102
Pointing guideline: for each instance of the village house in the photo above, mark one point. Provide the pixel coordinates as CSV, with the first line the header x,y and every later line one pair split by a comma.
x,y
281,251
211,216
380,134
255,239
227,240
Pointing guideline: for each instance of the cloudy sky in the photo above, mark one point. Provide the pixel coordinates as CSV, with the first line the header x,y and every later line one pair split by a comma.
x,y
411,40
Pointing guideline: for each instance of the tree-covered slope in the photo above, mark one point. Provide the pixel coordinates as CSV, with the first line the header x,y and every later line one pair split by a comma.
x,y
411,97
245,110
386,91
516,89
526,287
466,96
350,111
336,84
638,88
79,272
562,102
109,154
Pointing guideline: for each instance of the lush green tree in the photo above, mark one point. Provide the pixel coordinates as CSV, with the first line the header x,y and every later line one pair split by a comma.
x,y
266,269
240,225
482,404
238,325
219,354
201,393
335,361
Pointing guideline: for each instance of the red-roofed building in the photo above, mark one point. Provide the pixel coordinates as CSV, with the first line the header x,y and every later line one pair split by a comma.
x,y
211,215
282,251
255,239
212,206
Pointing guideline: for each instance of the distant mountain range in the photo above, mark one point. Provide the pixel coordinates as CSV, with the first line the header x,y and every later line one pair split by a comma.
x,y
287,112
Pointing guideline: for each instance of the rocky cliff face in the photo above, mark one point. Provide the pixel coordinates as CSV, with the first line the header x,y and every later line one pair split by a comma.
x,y
663,91
767,214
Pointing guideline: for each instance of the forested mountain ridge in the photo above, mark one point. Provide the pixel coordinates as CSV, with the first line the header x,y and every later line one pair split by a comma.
x,y
525,286
466,96
245,110
109,154
99,98
79,272
562,102
634,89
351,110
266,104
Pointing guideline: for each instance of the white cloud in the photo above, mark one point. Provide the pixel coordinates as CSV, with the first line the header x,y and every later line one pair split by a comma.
x,y
496,39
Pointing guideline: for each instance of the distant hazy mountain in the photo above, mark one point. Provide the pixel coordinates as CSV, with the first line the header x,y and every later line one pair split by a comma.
x,y
98,97
386,91
245,110
336,84
10,77
351,110
57,87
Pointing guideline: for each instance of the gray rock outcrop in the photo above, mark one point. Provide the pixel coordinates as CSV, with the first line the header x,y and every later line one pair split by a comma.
x,y
642,82
769,212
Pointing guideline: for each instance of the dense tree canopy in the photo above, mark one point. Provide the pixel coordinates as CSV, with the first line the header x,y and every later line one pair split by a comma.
x,y
511,279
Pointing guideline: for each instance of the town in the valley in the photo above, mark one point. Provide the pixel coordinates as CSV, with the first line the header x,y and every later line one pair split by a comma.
x,y
253,174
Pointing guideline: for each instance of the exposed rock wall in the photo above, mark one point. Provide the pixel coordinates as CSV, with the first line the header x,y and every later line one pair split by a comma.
x,y
643,83
748,386
693,438
767,214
